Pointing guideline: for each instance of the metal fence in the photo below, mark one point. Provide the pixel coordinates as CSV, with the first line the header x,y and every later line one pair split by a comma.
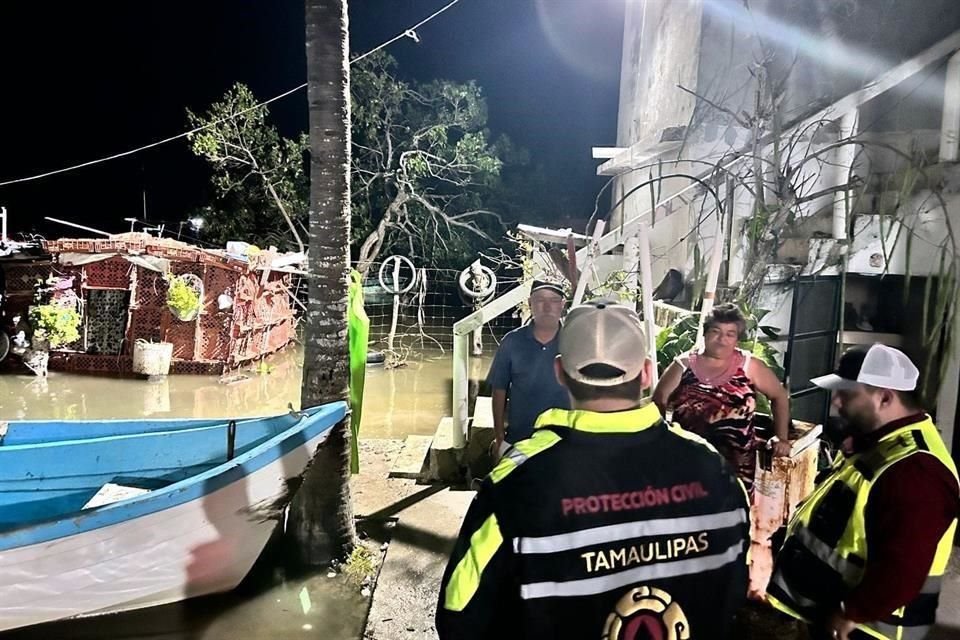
x,y
428,311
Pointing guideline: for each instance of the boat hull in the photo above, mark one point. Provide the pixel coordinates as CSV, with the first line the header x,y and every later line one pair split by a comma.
x,y
177,550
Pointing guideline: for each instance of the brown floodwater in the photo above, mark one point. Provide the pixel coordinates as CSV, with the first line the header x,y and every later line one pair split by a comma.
x,y
397,402
270,604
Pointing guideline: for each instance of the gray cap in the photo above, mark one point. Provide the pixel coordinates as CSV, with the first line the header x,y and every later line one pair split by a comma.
x,y
603,332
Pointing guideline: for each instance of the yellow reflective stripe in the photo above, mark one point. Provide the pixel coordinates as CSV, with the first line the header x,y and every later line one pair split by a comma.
x,y
944,549
784,608
595,422
521,452
882,631
465,579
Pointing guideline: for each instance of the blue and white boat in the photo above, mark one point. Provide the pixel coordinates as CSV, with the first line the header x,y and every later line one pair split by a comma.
x,y
110,516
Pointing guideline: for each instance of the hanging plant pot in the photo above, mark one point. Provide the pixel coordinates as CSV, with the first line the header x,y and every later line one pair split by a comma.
x,y
184,296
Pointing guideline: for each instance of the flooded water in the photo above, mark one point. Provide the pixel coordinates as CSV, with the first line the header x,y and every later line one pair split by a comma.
x,y
397,402
269,605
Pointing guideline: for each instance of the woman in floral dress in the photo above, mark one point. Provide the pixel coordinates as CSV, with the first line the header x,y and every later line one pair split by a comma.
x,y
713,393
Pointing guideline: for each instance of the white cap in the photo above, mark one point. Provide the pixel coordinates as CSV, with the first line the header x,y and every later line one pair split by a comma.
x,y
878,366
602,332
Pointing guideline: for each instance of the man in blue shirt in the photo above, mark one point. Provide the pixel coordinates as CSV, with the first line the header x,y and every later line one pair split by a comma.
x,y
522,375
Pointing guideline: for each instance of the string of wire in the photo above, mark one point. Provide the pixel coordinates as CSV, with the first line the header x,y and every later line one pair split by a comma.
x,y
123,154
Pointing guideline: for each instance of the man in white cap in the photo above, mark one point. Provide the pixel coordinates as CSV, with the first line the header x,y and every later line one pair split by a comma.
x,y
606,523
866,552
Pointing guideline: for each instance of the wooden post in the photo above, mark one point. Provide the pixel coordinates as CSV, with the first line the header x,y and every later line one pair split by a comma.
x,y
592,251
478,333
710,291
391,354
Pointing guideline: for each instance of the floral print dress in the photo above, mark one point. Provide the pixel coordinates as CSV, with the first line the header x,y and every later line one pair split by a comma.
x,y
720,409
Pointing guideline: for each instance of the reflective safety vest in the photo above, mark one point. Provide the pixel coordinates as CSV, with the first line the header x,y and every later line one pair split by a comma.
x,y
825,552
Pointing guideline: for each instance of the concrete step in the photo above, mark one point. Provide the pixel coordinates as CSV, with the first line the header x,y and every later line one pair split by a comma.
x,y
483,413
445,458
412,461
477,457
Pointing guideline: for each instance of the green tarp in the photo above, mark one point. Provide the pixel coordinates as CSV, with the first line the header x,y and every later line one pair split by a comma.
x,y
358,331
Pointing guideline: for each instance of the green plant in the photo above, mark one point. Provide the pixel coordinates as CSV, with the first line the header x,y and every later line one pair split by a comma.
x,y
182,299
675,340
57,325
360,565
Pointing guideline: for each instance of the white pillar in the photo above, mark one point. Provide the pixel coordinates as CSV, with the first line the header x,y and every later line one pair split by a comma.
x,y
950,130
843,159
461,388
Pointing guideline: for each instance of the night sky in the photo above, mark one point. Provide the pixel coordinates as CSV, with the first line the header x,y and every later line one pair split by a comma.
x,y
85,80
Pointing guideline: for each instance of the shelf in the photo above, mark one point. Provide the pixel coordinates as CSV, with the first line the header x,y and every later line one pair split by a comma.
x,y
869,337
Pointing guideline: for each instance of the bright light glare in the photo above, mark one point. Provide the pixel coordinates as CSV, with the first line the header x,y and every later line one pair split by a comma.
x,y
574,30
196,223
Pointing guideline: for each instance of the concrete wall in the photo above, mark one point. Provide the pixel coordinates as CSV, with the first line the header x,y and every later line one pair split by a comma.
x,y
660,50
821,50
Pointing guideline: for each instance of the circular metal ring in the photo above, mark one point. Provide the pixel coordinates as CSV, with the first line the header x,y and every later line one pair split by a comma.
x,y
478,294
395,289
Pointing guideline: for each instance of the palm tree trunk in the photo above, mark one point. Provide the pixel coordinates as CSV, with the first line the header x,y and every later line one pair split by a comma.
x,y
321,515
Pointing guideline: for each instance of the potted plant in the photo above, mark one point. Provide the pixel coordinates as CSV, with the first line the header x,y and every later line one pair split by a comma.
x,y
53,326
183,296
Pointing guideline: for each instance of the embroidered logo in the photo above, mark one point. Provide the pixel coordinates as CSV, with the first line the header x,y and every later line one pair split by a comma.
x,y
646,613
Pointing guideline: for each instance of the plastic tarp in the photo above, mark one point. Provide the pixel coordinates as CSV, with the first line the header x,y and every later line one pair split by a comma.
x,y
358,332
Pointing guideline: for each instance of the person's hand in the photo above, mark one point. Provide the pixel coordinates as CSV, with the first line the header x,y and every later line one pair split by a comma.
x,y
781,448
839,627
847,446
495,448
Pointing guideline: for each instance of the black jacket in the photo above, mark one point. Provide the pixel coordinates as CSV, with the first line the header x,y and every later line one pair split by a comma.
x,y
598,526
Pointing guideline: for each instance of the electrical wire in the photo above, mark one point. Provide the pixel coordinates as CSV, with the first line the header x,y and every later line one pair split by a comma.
x,y
407,33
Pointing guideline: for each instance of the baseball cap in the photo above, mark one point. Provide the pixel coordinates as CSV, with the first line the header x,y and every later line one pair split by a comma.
x,y
542,285
877,365
602,332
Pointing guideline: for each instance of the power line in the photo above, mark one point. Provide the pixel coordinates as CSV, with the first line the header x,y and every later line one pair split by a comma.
x,y
407,33
151,145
